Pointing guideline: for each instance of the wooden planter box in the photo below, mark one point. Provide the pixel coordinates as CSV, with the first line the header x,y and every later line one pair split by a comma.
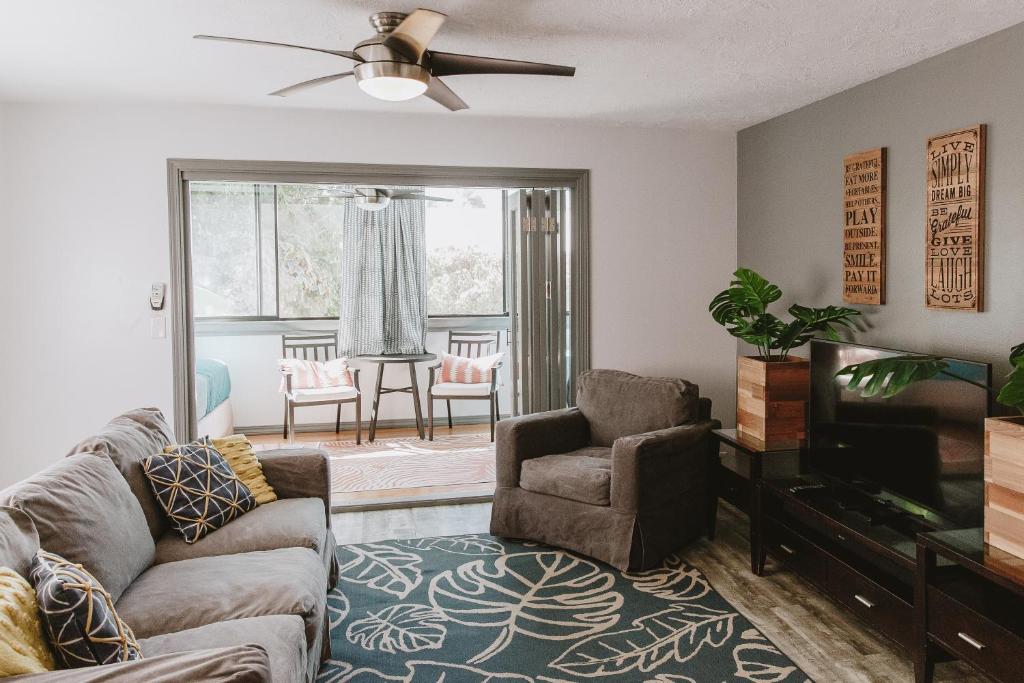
x,y
1004,484
771,399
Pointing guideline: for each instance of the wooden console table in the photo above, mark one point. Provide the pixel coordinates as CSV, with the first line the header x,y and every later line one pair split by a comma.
x,y
410,359
969,605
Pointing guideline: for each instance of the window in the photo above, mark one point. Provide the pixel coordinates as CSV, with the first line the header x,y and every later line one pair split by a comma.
x,y
465,252
274,251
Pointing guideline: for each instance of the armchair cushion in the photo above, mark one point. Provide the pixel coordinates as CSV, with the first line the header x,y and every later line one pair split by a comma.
x,y
323,394
583,475
442,389
532,436
617,404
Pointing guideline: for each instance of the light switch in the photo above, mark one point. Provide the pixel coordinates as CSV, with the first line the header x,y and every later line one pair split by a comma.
x,y
158,327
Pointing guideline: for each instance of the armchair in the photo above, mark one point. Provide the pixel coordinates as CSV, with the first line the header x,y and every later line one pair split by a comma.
x,y
626,477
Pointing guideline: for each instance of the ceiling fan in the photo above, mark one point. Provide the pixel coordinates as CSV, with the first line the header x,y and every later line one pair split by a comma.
x,y
377,198
396,65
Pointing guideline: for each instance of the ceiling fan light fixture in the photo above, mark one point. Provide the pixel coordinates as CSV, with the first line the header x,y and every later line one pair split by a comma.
x,y
392,81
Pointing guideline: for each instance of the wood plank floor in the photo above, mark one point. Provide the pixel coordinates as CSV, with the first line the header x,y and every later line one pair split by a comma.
x,y
826,641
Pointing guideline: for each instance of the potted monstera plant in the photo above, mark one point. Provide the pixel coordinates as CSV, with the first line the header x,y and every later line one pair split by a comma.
x,y
772,387
1004,436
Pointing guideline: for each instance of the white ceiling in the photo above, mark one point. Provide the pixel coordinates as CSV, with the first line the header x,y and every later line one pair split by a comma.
x,y
715,63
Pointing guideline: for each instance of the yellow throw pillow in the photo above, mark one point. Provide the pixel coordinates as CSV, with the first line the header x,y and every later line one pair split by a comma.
x,y
237,450
24,648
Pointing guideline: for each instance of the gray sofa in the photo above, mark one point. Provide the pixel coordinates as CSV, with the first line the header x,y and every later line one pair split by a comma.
x,y
626,477
245,603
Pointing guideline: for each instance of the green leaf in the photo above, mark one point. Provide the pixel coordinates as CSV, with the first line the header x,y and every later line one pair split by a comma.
x,y
1016,354
756,291
1012,393
808,322
887,377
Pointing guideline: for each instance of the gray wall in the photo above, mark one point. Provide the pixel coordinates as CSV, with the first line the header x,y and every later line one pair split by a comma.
x,y
790,195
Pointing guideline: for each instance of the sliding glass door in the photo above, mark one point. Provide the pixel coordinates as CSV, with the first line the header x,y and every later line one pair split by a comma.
x,y
538,233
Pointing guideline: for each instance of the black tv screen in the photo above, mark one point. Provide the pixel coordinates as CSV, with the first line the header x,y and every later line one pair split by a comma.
x,y
923,448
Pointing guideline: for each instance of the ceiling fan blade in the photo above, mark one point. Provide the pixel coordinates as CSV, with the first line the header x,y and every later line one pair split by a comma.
x,y
411,37
291,89
443,95
451,64
338,53
418,195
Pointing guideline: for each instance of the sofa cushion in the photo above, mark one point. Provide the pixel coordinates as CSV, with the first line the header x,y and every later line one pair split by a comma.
x,y
197,488
282,636
84,510
286,523
583,475
83,626
127,440
18,540
618,404
179,595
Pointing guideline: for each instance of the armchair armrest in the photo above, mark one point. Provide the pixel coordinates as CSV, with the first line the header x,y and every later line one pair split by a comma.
x,y
649,468
237,664
532,436
298,473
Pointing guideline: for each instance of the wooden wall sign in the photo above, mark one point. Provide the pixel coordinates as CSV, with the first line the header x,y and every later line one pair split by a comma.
x,y
864,227
955,225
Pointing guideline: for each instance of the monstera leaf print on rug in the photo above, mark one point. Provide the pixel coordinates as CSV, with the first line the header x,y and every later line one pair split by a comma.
x,y
548,595
479,609
674,580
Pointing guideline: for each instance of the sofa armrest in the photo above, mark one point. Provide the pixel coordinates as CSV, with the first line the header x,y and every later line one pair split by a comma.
x,y
298,473
649,469
532,436
237,664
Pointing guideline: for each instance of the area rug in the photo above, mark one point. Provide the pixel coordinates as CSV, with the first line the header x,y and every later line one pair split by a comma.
x,y
476,609
410,462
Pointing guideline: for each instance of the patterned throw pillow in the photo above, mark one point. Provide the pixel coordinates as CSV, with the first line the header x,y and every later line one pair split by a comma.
x,y
462,370
237,450
197,488
24,648
314,374
79,615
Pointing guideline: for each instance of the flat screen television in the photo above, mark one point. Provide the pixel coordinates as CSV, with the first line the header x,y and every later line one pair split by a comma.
x,y
922,449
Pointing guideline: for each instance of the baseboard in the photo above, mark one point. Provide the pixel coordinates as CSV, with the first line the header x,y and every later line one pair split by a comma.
x,y
381,424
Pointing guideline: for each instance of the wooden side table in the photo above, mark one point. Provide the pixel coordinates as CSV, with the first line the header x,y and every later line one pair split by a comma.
x,y
738,485
411,360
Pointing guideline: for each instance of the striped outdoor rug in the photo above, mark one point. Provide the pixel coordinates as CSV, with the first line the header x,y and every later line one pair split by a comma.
x,y
409,463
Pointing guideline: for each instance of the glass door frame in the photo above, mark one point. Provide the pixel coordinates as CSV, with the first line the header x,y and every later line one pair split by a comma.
x,y
181,171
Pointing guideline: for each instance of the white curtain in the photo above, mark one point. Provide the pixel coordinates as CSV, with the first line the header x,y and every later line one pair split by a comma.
x,y
383,280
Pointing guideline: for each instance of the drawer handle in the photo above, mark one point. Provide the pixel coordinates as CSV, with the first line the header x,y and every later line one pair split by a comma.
x,y
864,601
970,641
840,538
786,549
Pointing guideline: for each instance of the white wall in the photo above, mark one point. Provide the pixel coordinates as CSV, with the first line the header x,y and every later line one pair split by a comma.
x,y
85,232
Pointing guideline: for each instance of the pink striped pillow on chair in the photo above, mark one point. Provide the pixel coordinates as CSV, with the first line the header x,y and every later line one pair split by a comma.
x,y
313,374
460,370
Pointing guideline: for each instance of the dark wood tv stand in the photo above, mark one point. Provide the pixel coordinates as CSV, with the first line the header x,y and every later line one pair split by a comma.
x,y
851,556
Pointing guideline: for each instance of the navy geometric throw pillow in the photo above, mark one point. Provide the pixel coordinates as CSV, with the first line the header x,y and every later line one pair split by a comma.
x,y
197,488
79,615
